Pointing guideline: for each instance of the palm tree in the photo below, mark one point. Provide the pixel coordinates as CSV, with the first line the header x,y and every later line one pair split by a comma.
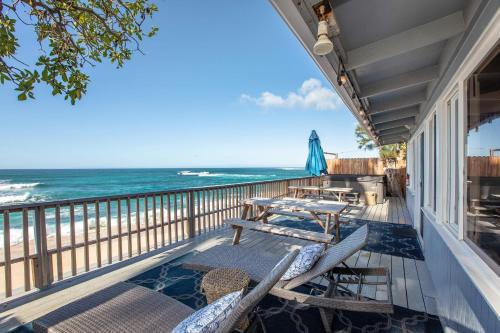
x,y
388,153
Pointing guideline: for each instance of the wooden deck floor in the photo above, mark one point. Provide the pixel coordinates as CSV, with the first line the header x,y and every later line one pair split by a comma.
x,y
411,284
392,210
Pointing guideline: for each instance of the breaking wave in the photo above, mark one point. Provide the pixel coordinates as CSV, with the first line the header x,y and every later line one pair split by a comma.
x,y
14,198
228,175
7,186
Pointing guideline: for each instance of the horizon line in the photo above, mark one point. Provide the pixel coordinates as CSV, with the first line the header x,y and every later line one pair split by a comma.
x,y
138,168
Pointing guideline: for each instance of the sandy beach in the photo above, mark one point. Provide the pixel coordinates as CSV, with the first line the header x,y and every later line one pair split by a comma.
x,y
96,250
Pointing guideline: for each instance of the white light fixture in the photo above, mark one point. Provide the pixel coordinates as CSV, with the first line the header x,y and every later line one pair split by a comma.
x,y
323,45
342,78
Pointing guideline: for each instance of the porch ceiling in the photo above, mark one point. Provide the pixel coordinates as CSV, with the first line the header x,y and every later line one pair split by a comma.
x,y
394,51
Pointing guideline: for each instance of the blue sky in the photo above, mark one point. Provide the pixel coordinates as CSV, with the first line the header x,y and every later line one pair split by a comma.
x,y
220,85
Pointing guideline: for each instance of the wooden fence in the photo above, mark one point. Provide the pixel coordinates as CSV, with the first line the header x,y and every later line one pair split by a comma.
x,y
53,241
360,166
395,171
483,166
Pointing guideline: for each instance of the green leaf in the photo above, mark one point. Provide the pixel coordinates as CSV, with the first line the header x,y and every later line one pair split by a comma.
x,y
90,32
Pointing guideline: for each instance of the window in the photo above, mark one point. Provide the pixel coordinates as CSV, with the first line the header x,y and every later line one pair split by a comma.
x,y
482,150
431,180
434,161
452,161
414,165
410,158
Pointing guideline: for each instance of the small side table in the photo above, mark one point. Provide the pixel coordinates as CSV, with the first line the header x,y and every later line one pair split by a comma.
x,y
222,281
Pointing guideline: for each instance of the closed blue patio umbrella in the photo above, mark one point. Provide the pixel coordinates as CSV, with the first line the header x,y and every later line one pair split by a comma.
x,y
316,163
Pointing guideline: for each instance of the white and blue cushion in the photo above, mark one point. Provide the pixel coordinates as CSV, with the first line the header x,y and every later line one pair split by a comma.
x,y
304,261
210,317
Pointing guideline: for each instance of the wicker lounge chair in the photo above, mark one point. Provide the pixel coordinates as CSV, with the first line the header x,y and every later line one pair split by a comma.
x,y
330,266
126,307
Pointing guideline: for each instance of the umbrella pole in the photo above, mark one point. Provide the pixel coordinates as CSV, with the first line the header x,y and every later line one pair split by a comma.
x,y
319,186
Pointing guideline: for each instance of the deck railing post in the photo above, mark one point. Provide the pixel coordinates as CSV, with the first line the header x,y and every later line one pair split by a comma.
x,y
251,194
191,215
42,267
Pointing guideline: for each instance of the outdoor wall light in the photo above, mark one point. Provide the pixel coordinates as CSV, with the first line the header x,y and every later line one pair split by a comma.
x,y
323,45
342,78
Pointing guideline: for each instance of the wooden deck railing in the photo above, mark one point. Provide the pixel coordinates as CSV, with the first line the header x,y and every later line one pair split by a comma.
x,y
60,239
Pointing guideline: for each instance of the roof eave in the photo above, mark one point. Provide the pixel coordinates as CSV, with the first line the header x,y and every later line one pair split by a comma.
x,y
293,18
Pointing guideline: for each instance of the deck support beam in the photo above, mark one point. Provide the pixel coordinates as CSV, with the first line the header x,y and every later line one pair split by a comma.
x,y
399,102
399,82
396,123
396,130
406,41
392,115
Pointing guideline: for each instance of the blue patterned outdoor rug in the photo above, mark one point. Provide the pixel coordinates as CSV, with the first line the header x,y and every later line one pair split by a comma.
x,y
387,238
280,315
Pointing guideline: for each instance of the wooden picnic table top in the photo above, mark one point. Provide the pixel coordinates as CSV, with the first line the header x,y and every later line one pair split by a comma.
x,y
309,205
317,188
338,189
306,187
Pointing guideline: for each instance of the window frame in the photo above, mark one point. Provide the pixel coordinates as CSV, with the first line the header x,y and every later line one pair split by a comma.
x,y
477,249
453,131
430,200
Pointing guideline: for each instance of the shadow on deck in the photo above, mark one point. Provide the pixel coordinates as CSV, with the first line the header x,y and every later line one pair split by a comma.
x,y
392,244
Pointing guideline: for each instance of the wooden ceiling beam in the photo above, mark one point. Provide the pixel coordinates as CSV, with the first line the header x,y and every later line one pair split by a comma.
x,y
406,41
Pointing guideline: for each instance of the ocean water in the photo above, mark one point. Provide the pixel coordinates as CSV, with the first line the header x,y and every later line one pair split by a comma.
x,y
22,186
31,186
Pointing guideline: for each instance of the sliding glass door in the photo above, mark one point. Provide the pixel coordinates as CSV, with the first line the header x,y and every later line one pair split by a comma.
x,y
482,229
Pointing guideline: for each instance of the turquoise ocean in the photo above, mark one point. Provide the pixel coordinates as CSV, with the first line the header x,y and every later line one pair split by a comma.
x,y
31,186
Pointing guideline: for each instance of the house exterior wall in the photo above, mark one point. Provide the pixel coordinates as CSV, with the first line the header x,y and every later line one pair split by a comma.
x,y
468,290
460,304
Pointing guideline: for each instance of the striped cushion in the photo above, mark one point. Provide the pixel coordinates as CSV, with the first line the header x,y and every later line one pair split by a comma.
x,y
306,259
209,318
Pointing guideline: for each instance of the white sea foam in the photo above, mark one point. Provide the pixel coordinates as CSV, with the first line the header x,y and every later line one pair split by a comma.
x,y
8,186
208,174
234,175
14,198
288,169
190,173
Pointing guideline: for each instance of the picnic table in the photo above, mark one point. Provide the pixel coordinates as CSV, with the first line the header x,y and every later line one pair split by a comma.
x,y
338,192
312,207
300,191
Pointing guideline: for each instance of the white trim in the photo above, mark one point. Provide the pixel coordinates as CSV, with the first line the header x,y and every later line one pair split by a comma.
x,y
484,277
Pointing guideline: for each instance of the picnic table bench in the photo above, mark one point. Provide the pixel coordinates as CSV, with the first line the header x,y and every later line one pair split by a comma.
x,y
239,225
339,193
308,208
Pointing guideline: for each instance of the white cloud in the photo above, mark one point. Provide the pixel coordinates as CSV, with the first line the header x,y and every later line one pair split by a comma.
x,y
310,95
